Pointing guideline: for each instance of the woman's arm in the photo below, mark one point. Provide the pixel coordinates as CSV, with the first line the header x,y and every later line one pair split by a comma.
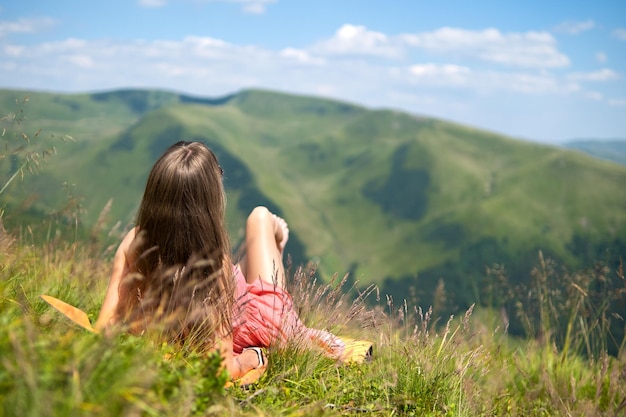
x,y
121,268
237,365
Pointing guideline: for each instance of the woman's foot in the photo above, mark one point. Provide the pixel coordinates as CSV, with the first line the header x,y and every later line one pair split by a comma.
x,y
281,230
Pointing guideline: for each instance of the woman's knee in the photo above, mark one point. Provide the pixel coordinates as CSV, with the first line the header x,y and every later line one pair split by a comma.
x,y
260,215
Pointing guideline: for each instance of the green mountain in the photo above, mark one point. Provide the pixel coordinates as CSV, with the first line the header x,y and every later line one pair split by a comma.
x,y
395,199
611,150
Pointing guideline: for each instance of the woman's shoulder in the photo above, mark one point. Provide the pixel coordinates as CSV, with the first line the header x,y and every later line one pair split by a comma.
x,y
124,248
130,236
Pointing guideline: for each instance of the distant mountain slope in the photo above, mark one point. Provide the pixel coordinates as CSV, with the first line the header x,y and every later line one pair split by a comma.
x,y
395,199
611,150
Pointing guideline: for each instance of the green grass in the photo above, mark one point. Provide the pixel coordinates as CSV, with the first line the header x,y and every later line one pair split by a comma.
x,y
423,365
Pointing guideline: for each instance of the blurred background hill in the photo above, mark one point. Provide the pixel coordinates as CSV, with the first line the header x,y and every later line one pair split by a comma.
x,y
611,150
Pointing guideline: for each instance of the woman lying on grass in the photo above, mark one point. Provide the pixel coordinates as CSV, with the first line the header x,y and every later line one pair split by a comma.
x,y
173,272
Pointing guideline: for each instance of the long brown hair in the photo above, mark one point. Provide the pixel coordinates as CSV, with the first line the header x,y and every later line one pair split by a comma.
x,y
180,259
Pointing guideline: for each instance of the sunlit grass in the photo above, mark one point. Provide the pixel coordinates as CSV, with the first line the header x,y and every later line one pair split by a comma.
x,y
422,365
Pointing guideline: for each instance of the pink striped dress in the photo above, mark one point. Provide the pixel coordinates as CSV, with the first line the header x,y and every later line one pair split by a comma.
x,y
264,316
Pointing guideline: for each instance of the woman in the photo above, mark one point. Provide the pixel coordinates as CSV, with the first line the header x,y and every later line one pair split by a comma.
x,y
173,272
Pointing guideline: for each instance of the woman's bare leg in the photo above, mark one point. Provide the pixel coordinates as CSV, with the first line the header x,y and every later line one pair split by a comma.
x,y
266,236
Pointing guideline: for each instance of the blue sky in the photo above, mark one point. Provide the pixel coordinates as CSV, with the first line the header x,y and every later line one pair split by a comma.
x,y
536,70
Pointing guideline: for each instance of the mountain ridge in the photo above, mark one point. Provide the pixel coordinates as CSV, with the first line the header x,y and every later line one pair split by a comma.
x,y
608,149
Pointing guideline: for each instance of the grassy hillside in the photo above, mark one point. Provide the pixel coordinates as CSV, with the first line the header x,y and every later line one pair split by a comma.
x,y
398,200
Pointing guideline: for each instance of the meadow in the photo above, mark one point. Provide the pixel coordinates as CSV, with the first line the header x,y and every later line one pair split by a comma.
x,y
422,365
567,357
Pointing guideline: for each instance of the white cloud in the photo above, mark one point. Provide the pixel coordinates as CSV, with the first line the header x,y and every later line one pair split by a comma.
x,y
447,74
152,3
617,102
247,6
620,34
594,95
70,44
14,50
601,57
524,83
432,69
205,47
25,25
80,60
199,65
205,65
353,40
301,56
255,6
483,82
574,28
605,74
528,50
